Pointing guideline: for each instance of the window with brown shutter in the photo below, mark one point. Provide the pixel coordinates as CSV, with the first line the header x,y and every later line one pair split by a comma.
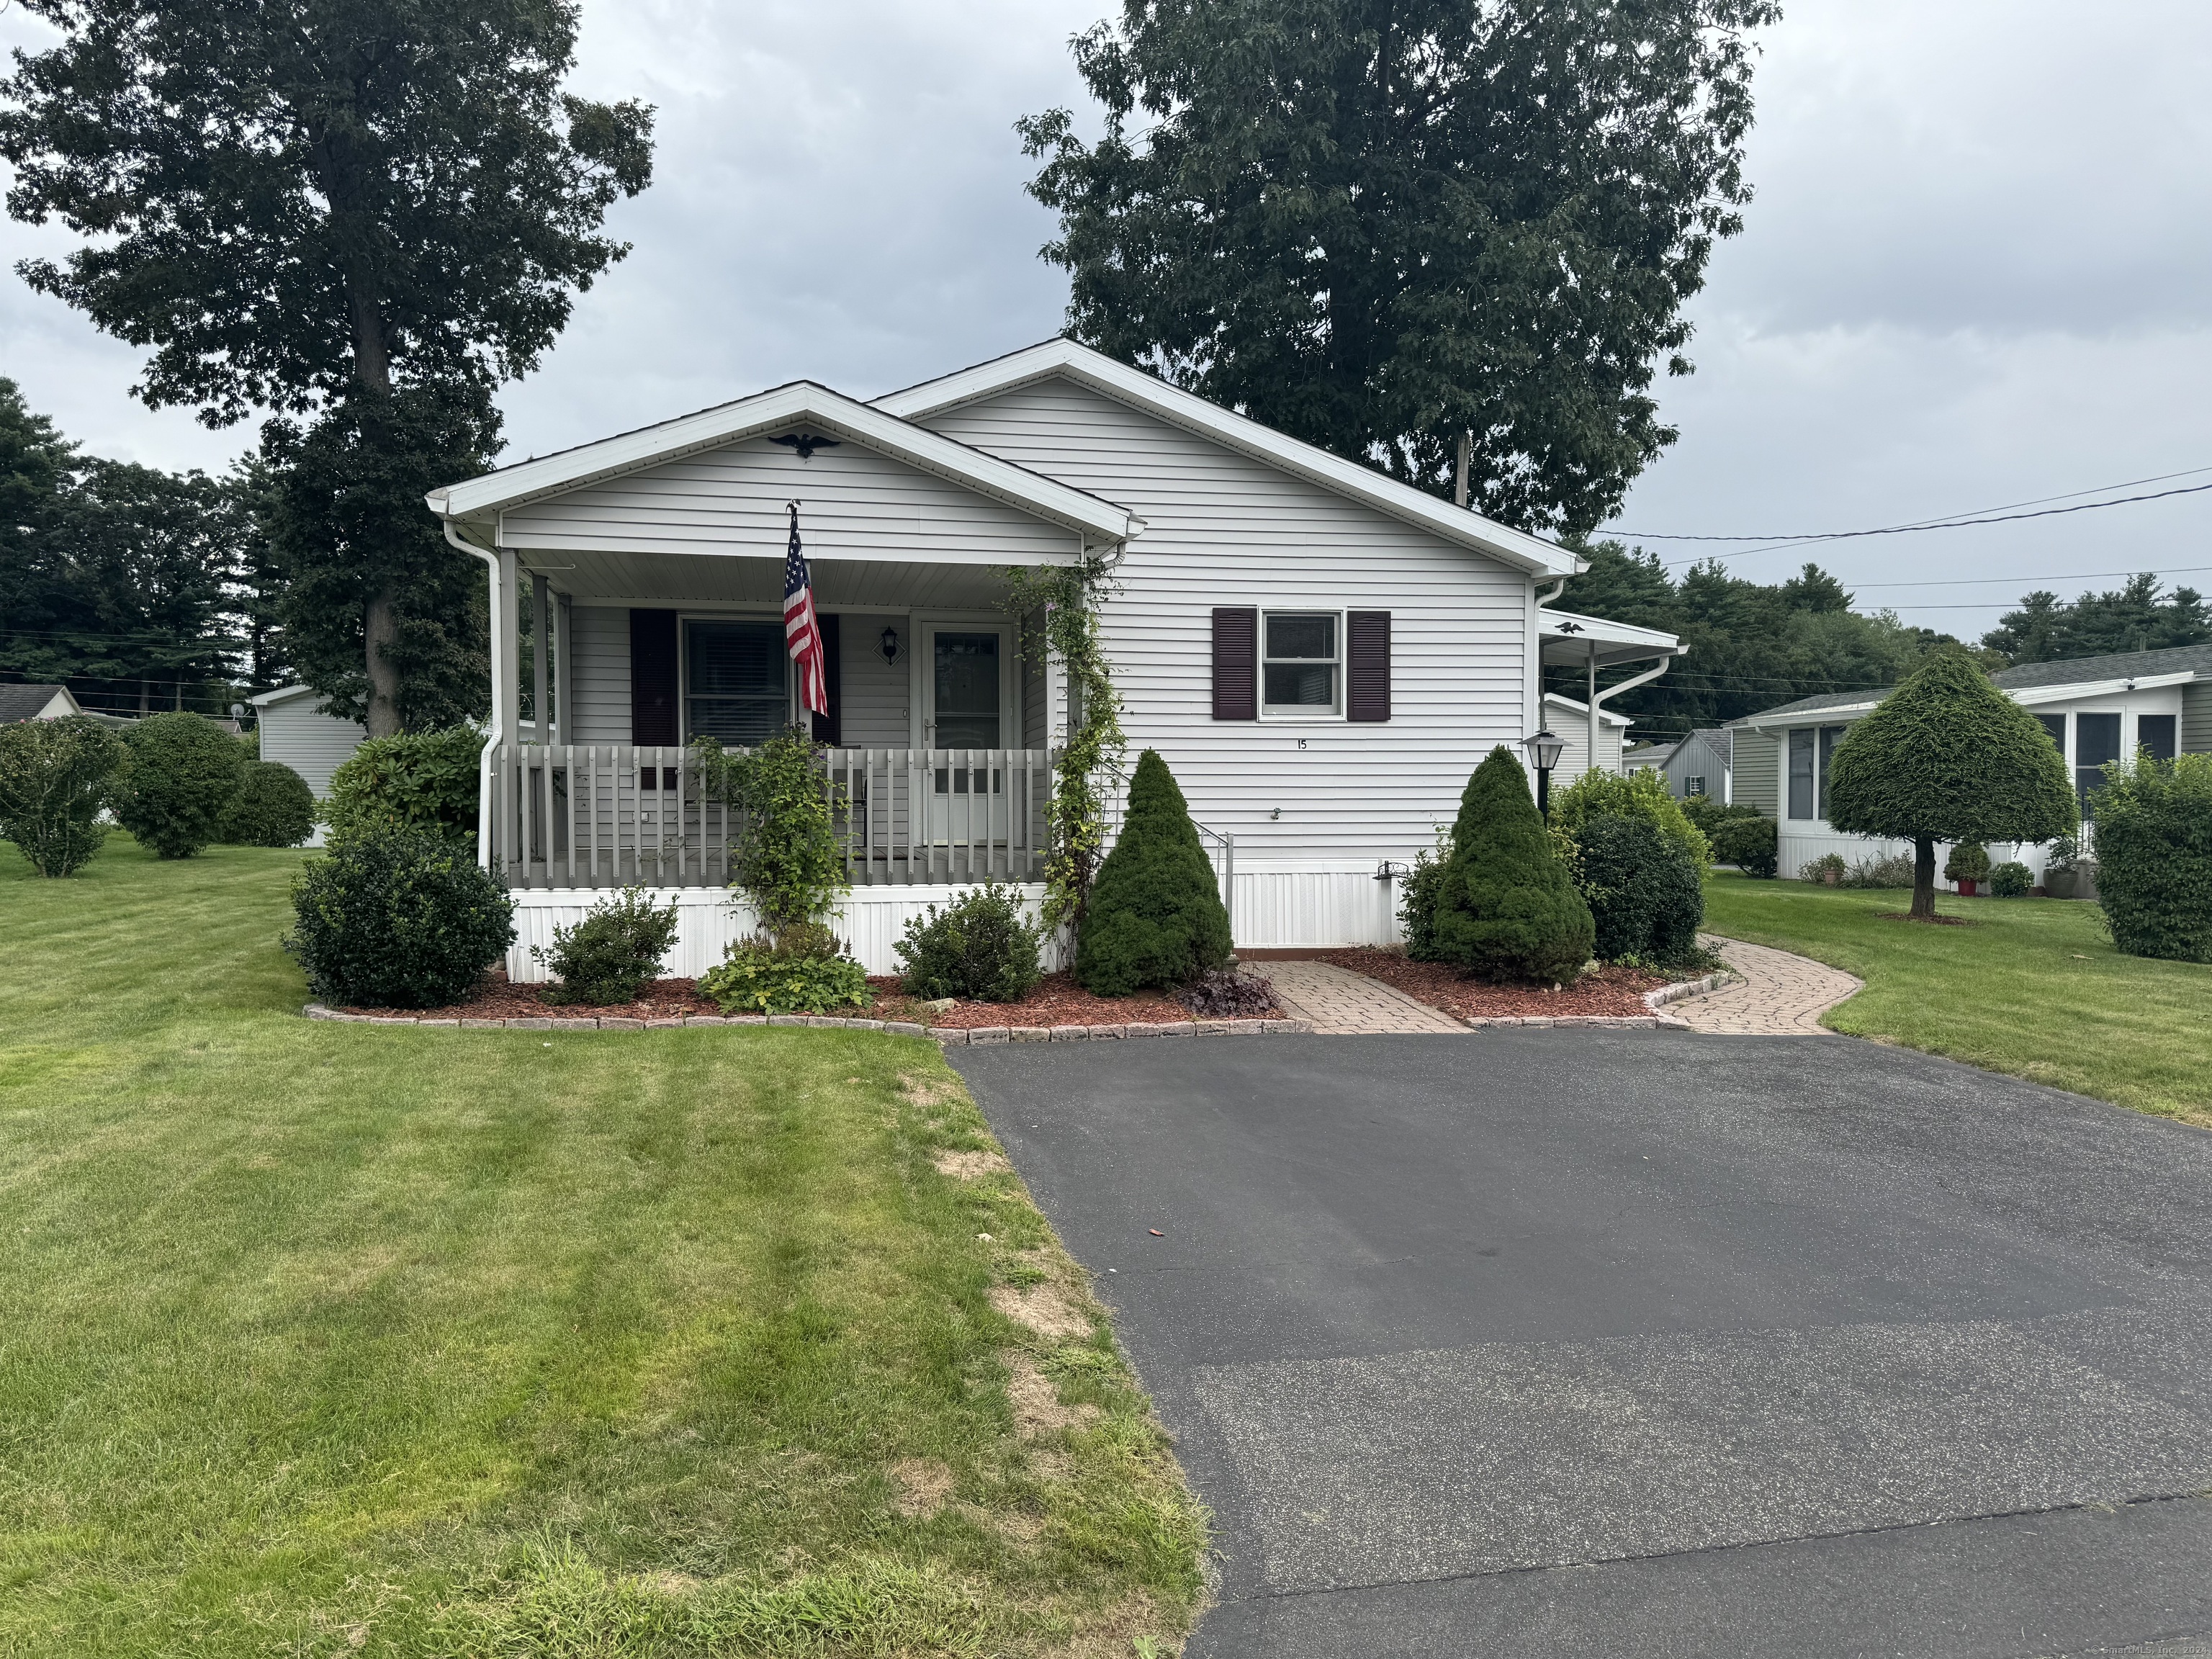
x,y
1235,663
653,678
1367,666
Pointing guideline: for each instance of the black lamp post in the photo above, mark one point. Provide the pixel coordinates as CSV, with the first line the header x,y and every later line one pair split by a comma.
x,y
1543,754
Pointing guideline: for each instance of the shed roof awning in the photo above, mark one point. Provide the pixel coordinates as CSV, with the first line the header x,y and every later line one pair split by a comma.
x,y
1565,639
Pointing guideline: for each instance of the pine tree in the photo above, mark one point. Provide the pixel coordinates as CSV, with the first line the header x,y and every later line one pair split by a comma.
x,y
1155,915
1506,907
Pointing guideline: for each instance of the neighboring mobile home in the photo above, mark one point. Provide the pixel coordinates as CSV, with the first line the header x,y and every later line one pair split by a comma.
x,y
1703,763
293,733
1321,653
2096,709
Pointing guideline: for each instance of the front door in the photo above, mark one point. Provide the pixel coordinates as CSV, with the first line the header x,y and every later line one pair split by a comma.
x,y
967,716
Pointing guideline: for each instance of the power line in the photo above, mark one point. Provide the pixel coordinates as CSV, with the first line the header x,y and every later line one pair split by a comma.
x,y
2006,581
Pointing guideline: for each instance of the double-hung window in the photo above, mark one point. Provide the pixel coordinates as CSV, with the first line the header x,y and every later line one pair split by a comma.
x,y
736,682
1301,664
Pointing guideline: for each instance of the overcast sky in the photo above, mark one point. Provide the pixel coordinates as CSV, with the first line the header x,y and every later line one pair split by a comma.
x,y
1975,272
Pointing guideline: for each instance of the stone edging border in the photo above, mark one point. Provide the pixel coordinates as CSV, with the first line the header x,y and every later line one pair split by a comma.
x,y
1655,1000
977,1035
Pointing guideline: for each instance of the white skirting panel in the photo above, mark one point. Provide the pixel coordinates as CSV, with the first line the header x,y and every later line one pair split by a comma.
x,y
870,921
1293,910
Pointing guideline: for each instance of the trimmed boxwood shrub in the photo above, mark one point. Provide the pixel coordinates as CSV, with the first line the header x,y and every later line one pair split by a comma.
x,y
1748,839
273,807
54,781
2154,857
2010,880
423,780
981,947
612,954
1155,915
398,919
1644,893
1506,907
179,775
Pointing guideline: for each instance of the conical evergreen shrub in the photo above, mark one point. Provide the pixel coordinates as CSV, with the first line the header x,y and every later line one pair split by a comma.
x,y
1506,907
1155,915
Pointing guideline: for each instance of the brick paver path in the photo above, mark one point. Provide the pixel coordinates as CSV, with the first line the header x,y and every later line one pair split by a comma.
x,y
1779,995
1338,1000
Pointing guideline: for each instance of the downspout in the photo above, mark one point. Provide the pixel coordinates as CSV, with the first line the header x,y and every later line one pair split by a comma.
x,y
1628,685
495,736
1558,588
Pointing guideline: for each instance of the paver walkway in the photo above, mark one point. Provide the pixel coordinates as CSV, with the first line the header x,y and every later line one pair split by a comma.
x,y
1779,995
1339,1002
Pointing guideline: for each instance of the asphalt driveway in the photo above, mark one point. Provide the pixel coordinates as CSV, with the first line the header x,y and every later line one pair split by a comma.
x,y
1557,1342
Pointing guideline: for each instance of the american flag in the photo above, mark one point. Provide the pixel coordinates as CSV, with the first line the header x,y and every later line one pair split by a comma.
x,y
802,634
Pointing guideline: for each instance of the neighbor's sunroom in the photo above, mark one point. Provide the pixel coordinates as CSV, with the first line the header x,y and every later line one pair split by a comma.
x,y
638,587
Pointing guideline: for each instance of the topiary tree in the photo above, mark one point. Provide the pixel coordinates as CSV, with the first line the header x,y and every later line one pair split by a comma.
x,y
1155,915
273,807
1947,756
425,780
178,779
54,781
2154,857
1506,907
1638,794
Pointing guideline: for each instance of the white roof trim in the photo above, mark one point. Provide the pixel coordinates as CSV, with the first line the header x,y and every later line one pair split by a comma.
x,y
2067,690
1606,716
1134,386
282,693
803,401
1567,625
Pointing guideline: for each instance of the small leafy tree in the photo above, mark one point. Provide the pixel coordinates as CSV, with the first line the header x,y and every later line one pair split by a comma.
x,y
181,772
425,780
1507,906
787,860
1156,916
2154,857
1947,756
54,781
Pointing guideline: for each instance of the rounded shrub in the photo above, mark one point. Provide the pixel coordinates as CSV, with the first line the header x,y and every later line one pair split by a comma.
x,y
2154,857
2010,880
179,775
273,807
979,947
1644,893
1750,842
421,780
1968,862
55,777
1155,916
398,919
1506,907
613,953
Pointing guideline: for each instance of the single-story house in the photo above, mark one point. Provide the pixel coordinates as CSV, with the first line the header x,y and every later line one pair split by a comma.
x,y
36,703
1320,652
2096,709
293,733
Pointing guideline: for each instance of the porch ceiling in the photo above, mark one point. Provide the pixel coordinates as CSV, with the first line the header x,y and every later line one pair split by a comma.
x,y
1565,639
841,584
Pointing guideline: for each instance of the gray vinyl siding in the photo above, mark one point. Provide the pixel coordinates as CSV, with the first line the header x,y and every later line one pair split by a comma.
x,y
2196,718
855,504
874,697
293,734
1034,710
1222,529
598,641
1759,773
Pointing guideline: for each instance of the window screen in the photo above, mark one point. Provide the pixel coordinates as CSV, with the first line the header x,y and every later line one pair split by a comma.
x,y
2156,734
1830,736
734,682
1801,773
1298,671
2056,725
2096,740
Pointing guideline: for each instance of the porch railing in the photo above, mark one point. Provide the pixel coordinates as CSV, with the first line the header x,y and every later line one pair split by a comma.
x,y
607,815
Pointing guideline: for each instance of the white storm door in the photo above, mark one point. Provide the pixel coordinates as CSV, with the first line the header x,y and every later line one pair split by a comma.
x,y
967,716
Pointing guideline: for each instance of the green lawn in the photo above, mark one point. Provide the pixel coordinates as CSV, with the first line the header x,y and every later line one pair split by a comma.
x,y
324,1339
2032,988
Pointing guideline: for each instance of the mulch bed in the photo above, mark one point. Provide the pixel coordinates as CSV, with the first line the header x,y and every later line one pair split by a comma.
x,y
1057,1001
1607,992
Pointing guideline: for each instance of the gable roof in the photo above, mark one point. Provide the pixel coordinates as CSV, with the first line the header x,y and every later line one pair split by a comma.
x,y
801,403
2180,662
1066,358
30,703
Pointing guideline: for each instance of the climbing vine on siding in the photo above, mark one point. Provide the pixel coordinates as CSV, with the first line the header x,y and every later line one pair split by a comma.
x,y
1070,597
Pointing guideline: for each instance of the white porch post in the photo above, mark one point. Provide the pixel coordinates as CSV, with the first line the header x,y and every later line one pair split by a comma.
x,y
541,653
1591,693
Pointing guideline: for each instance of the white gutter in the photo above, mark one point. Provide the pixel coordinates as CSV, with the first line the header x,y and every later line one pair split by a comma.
x,y
495,736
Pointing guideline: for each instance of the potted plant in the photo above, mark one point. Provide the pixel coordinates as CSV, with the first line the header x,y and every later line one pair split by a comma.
x,y
2062,870
1968,866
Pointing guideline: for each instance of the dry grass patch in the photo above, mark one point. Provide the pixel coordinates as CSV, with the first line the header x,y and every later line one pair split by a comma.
x,y
969,1165
1045,1309
1036,1400
924,1486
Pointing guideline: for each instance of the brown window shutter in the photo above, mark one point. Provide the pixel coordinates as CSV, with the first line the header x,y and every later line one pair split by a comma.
x,y
1235,663
653,719
1367,666
829,728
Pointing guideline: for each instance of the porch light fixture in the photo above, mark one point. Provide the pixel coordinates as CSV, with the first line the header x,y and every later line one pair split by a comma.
x,y
1543,751
888,645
